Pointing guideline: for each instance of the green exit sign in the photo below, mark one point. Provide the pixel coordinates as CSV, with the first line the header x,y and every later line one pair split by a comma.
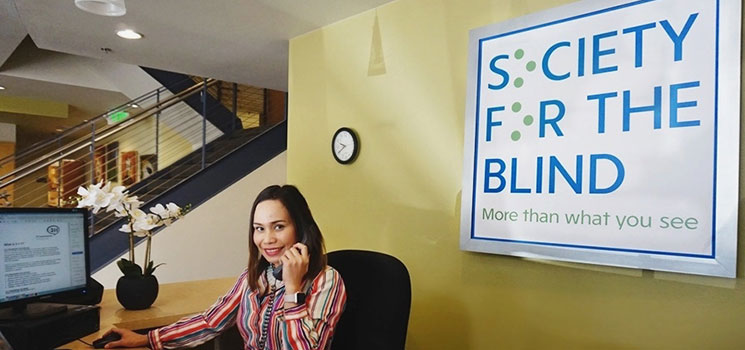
x,y
117,117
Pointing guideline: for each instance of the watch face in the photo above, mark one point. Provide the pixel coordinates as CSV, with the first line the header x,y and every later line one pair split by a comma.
x,y
344,145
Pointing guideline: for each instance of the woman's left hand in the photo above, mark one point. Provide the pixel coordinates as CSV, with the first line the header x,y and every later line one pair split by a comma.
x,y
294,267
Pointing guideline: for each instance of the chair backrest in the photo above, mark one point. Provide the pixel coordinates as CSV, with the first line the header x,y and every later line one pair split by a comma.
x,y
378,301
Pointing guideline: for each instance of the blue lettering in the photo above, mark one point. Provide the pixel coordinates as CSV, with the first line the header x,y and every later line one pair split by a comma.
x,y
499,71
620,173
495,172
554,164
656,108
675,105
539,175
543,121
513,182
678,38
601,108
490,122
639,30
546,71
489,174
581,57
596,53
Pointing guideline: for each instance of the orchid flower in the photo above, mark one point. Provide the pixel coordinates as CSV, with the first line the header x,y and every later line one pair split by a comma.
x,y
139,223
94,197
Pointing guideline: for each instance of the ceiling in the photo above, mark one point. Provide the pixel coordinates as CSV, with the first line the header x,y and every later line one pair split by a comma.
x,y
244,41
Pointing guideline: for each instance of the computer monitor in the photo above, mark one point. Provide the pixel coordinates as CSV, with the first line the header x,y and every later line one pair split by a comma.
x,y
43,254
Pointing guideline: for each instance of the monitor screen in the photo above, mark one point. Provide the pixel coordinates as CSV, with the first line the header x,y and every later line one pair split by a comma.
x,y
43,252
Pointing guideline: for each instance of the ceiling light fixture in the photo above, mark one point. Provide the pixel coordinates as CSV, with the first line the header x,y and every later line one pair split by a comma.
x,y
134,105
102,7
129,34
2,87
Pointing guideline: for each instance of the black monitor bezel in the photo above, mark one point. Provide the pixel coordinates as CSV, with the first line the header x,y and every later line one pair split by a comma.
x,y
86,225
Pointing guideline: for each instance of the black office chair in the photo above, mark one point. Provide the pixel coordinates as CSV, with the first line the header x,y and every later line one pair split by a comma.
x,y
378,301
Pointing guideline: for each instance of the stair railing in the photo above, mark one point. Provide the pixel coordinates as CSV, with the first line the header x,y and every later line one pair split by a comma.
x,y
86,142
160,143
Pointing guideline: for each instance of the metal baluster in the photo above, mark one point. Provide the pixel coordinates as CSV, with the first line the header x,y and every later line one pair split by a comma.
x,y
263,116
204,122
157,130
92,229
235,104
59,173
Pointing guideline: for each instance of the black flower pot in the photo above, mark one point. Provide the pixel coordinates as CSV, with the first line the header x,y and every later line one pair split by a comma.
x,y
137,293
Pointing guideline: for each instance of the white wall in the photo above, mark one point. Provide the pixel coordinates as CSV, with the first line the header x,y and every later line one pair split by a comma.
x,y
212,240
12,30
28,62
134,82
129,79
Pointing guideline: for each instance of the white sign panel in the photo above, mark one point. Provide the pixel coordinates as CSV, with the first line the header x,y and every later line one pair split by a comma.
x,y
606,132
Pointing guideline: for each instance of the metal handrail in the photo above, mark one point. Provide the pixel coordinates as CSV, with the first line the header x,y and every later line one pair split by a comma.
x,y
79,144
74,128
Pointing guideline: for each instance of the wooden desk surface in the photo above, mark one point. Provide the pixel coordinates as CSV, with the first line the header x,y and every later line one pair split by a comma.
x,y
175,300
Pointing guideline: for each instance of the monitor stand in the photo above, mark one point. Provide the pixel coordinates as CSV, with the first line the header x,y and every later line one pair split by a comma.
x,y
31,311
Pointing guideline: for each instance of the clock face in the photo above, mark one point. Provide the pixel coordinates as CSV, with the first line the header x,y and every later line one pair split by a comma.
x,y
344,145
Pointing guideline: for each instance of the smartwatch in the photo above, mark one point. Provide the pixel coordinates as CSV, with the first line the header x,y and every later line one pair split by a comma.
x,y
297,298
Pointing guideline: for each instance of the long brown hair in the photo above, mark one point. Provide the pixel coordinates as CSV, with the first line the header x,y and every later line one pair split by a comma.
x,y
306,231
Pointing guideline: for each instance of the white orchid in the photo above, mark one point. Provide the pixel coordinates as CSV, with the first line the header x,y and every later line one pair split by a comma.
x,y
174,211
94,197
117,201
168,213
139,223
161,212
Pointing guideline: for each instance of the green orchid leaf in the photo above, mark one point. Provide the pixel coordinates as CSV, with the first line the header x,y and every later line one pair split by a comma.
x,y
129,268
150,268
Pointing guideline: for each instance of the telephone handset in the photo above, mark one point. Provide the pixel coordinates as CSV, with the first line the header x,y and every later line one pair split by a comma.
x,y
277,272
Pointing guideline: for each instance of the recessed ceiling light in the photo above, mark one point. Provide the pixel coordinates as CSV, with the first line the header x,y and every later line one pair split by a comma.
x,y
129,34
134,105
102,7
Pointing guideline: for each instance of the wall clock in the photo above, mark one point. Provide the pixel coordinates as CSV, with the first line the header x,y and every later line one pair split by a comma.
x,y
345,145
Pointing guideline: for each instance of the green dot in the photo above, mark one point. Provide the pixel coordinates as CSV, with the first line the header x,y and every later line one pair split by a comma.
x,y
530,66
519,82
515,135
516,107
528,120
519,53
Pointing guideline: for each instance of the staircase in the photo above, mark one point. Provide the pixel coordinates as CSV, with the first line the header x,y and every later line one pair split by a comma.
x,y
221,117
191,159
109,243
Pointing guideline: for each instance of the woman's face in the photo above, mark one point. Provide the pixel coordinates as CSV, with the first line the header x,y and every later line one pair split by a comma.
x,y
274,231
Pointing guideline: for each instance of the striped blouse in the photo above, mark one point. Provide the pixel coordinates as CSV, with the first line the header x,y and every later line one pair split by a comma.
x,y
303,327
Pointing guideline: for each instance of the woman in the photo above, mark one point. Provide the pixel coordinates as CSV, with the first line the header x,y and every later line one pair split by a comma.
x,y
298,311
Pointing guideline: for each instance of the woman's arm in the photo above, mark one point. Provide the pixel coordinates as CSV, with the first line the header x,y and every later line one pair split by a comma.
x,y
311,325
197,329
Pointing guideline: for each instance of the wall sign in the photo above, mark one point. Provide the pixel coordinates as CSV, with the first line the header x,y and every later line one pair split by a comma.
x,y
606,132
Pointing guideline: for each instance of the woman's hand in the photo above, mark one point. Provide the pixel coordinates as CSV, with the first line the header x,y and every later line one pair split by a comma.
x,y
294,267
129,339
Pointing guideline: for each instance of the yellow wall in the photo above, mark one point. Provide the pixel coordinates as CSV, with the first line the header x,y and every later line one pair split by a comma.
x,y
402,196
22,105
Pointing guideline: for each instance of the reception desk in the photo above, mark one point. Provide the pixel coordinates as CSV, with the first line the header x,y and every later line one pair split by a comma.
x,y
175,300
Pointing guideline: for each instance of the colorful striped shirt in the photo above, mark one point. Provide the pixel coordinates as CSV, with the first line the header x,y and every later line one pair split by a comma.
x,y
302,327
